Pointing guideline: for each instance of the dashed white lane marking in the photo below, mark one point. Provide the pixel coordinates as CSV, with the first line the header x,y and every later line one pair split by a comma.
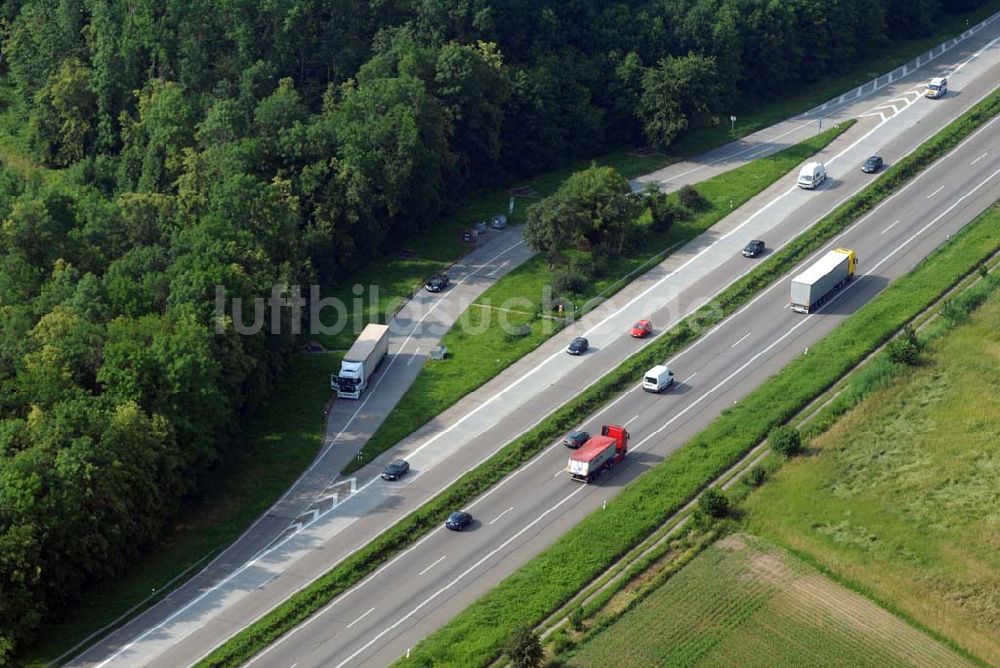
x,y
631,421
896,222
434,564
935,192
979,158
504,512
361,617
741,339
684,382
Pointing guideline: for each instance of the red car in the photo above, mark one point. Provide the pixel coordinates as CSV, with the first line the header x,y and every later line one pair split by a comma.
x,y
642,329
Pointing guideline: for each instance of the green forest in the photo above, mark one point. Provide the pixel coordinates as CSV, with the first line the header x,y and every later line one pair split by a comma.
x,y
171,146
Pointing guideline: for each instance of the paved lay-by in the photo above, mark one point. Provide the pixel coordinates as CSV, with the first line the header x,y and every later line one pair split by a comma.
x,y
181,632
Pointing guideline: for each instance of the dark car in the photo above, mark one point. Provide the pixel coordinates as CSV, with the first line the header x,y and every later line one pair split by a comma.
x,y
458,520
437,283
754,248
872,165
396,469
575,439
578,346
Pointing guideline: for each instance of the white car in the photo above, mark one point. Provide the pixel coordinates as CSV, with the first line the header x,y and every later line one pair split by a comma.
x,y
937,87
657,379
811,175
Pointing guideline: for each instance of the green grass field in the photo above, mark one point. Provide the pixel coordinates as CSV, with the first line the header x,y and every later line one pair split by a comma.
x,y
902,496
746,602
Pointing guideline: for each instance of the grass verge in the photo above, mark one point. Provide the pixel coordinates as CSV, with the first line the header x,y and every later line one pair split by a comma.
x,y
441,384
404,533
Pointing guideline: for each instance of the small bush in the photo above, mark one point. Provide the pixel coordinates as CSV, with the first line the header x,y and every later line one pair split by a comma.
x,y
524,649
665,211
601,259
905,348
692,199
566,280
713,502
576,618
756,476
785,441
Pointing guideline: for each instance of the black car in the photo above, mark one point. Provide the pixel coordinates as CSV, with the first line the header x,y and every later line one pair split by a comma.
x,y
575,439
754,248
458,520
578,346
396,469
437,283
872,165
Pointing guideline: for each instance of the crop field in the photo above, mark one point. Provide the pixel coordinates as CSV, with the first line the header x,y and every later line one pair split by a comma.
x,y
902,496
747,602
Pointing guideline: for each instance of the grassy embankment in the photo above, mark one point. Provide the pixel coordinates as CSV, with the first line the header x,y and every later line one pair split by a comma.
x,y
696,472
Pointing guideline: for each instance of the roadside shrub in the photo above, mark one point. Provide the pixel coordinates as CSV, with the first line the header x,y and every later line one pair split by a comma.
x,y
524,649
756,476
713,502
905,348
785,441
692,199
601,259
665,211
576,618
566,280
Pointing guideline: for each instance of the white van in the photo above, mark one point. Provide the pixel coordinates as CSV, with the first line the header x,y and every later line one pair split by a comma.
x,y
812,175
938,87
657,379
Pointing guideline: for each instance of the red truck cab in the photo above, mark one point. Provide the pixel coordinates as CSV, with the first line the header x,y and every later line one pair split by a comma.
x,y
599,453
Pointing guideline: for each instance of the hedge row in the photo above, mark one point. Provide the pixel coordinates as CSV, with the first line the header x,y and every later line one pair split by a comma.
x,y
404,533
477,635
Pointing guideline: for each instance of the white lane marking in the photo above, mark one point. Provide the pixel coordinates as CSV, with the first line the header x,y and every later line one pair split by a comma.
x,y
504,512
413,356
935,192
890,227
684,382
454,581
741,339
559,473
435,563
631,421
498,268
362,616
718,327
979,158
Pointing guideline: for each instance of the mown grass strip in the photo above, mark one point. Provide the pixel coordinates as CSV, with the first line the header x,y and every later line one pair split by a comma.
x,y
476,636
349,572
442,384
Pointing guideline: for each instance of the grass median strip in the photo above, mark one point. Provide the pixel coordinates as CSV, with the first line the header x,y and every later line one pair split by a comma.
x,y
353,569
441,384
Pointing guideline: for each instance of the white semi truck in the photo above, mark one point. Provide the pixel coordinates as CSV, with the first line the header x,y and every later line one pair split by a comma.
x,y
812,287
359,364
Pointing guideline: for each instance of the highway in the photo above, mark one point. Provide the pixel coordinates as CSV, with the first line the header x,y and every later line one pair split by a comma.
x,y
184,630
375,623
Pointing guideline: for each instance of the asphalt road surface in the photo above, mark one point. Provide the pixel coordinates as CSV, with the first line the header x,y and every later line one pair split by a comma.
x,y
345,514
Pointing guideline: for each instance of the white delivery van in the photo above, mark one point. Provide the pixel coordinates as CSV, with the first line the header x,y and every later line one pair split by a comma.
x,y
812,175
657,379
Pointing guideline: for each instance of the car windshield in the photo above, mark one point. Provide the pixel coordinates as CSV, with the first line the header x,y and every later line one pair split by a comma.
x,y
934,86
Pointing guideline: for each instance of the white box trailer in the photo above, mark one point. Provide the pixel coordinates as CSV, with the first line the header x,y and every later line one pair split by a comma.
x,y
811,288
361,361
